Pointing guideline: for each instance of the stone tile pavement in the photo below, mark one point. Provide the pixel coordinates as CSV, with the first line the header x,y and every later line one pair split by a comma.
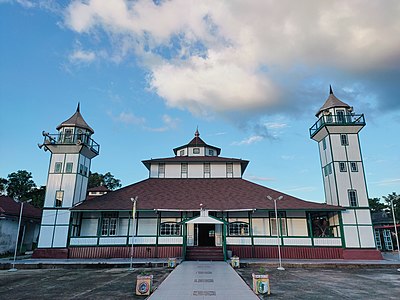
x,y
203,280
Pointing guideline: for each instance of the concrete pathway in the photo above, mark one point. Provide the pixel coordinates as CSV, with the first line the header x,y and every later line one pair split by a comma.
x,y
203,280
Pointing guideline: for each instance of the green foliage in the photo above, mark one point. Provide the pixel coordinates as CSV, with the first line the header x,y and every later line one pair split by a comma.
x,y
396,203
108,180
3,185
37,195
19,184
376,205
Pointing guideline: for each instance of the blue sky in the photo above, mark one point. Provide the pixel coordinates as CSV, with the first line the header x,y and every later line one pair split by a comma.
x,y
250,75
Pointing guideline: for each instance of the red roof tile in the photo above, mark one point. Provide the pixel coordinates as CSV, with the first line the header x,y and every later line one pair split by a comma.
x,y
9,206
187,194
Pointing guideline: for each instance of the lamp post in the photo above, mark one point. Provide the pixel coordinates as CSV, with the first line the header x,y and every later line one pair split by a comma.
x,y
395,229
13,269
134,200
280,268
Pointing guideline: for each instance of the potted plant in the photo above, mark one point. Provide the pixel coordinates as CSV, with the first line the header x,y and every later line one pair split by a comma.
x,y
144,283
261,282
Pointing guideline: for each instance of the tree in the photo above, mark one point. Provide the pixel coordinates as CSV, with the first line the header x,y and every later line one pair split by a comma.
x,y
37,195
396,203
19,184
108,180
3,185
376,205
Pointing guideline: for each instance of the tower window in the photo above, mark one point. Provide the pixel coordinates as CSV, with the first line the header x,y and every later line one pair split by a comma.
x,y
196,150
328,169
68,167
353,166
353,201
161,170
344,140
210,152
342,166
184,170
182,153
229,170
58,167
324,143
207,170
81,169
59,198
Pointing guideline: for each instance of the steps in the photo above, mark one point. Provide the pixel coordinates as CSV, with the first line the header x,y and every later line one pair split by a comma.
x,y
204,253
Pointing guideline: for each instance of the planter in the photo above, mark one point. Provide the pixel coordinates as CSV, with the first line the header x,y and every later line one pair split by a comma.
x,y
144,285
235,262
261,284
171,262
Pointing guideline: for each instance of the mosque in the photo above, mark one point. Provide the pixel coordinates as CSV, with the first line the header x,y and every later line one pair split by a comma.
x,y
197,206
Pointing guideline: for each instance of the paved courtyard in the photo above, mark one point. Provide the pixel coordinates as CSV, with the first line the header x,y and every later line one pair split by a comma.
x,y
119,283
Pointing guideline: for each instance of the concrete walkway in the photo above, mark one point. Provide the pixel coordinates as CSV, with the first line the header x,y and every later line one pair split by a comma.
x,y
203,280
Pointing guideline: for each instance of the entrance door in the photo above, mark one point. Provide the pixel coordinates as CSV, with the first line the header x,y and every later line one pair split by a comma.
x,y
205,234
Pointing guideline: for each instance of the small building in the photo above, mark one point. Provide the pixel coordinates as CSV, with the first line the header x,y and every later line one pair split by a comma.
x,y
385,234
9,219
196,204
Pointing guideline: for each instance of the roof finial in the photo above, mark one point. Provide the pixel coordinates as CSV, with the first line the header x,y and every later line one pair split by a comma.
x,y
78,108
330,90
197,134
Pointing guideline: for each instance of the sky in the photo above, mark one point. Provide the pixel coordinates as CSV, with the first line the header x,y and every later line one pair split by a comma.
x,y
249,74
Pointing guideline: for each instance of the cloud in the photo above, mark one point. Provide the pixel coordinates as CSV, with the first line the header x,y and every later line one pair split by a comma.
x,y
257,178
388,182
169,123
301,189
128,118
81,56
256,57
248,141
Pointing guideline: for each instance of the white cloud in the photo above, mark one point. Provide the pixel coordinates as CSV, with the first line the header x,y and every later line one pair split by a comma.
x,y
245,56
169,123
388,182
248,141
258,178
127,118
81,56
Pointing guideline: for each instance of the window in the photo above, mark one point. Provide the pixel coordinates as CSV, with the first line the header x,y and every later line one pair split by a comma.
x,y
320,224
329,118
343,140
207,170
324,144
68,167
85,170
58,167
184,170
353,166
229,170
239,229
328,169
170,228
68,136
340,116
161,170
182,153
196,150
281,223
353,197
59,198
342,166
109,224
210,152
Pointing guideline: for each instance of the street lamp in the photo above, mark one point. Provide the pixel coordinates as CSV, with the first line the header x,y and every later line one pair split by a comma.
x,y
277,231
13,269
134,200
395,229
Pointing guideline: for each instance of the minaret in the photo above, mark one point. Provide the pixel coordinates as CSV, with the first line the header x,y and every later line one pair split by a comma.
x,y
336,132
72,149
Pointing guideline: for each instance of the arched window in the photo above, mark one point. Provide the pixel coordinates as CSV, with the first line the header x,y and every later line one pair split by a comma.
x,y
238,229
170,228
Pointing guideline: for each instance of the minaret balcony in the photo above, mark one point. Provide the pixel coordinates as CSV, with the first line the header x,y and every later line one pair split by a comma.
x,y
348,123
61,139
